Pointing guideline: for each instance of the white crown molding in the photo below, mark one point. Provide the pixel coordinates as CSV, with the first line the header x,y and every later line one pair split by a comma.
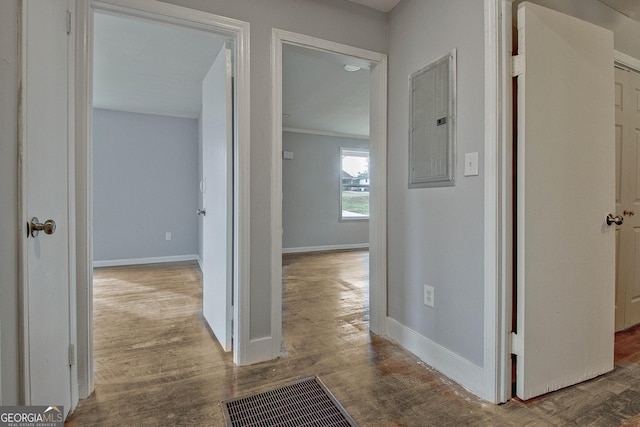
x,y
325,133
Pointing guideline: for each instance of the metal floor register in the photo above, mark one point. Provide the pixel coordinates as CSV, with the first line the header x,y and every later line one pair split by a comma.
x,y
305,403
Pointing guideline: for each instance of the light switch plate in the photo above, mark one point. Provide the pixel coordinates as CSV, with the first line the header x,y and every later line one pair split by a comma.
x,y
287,155
471,164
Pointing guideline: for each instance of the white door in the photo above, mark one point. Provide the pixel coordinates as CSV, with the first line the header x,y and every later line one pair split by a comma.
x,y
46,166
565,185
217,188
627,104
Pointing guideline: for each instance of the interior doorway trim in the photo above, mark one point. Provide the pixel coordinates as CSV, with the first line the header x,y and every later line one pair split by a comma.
x,y
378,153
161,12
626,60
498,215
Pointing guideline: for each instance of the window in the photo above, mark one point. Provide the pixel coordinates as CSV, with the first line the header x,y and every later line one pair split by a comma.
x,y
354,183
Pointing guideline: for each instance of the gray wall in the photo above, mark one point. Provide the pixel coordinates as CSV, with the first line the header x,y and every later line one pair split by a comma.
x,y
9,202
435,235
145,180
335,20
311,193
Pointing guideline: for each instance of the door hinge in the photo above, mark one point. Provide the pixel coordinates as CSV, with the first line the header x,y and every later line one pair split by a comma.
x,y
517,65
68,22
72,355
516,344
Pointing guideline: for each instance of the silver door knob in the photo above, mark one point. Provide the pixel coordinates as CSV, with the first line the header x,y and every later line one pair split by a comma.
x,y
202,212
617,220
35,226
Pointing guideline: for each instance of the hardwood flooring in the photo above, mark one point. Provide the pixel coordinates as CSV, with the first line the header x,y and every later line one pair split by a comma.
x,y
157,365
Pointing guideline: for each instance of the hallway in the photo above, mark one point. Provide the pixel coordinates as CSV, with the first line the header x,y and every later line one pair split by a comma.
x,y
157,365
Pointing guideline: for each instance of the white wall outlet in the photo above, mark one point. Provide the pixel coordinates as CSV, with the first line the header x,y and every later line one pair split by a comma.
x,y
287,155
167,235
429,297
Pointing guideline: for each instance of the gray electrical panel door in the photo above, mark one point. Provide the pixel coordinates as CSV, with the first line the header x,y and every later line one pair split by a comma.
x,y
432,124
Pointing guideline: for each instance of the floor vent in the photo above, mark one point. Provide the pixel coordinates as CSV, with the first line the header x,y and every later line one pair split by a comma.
x,y
305,403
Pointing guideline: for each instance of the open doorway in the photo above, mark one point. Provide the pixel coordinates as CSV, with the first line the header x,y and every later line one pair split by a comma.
x,y
162,153
627,87
373,66
325,187
231,39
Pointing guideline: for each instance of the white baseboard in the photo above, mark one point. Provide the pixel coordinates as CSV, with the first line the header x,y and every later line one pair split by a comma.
x,y
325,248
459,369
136,261
200,262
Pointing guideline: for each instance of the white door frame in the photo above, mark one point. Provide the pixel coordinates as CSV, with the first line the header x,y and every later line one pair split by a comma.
x,y
378,152
626,60
154,10
498,217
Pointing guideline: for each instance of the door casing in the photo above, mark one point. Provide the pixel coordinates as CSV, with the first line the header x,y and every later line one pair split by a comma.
x,y
378,153
498,191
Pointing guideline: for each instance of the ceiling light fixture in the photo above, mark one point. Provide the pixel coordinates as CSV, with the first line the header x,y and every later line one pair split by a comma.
x,y
350,67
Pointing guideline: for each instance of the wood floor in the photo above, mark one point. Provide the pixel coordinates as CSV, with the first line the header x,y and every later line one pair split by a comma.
x,y
157,365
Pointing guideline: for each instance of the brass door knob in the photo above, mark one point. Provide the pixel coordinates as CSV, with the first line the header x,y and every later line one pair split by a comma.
x,y
35,226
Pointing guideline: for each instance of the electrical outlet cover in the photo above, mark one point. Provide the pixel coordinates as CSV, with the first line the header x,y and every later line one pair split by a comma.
x,y
429,296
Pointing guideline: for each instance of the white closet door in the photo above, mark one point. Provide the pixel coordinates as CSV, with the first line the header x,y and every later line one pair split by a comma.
x,y
566,186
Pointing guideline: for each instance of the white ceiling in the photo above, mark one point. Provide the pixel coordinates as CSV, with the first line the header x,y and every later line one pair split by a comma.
x,y
381,5
149,67
631,8
318,94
